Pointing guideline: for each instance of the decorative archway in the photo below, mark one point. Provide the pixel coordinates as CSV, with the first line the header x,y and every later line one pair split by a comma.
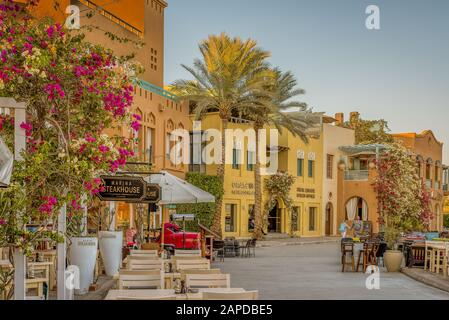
x,y
357,207
329,219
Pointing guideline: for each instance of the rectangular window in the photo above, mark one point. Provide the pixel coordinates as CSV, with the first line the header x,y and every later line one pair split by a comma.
x,y
150,145
251,161
311,168
300,167
167,145
330,166
295,219
235,158
230,218
312,218
196,149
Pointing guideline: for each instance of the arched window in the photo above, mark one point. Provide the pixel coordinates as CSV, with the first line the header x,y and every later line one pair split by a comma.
x,y
357,207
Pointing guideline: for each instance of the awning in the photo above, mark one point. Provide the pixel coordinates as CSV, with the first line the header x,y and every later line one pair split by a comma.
x,y
363,149
178,191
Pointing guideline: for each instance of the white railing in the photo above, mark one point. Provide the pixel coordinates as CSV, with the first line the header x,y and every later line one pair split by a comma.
x,y
428,183
356,175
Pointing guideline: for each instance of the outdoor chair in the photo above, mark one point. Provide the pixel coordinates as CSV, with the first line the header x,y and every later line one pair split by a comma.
x,y
171,297
192,264
244,249
208,281
142,263
198,271
218,247
368,254
229,248
381,252
188,253
347,249
141,279
144,253
252,248
223,296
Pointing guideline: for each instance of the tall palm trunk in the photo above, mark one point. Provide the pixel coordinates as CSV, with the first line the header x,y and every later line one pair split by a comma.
x,y
216,225
258,217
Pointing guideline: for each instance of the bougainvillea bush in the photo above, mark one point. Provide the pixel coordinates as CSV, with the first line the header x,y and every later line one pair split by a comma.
x,y
74,90
403,202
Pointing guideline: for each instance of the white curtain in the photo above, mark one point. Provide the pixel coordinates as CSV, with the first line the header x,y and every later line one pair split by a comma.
x,y
351,208
364,211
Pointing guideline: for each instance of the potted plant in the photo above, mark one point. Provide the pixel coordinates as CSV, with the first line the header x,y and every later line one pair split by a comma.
x,y
111,242
392,257
82,251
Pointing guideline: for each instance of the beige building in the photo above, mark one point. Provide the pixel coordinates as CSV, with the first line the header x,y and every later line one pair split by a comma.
x,y
334,136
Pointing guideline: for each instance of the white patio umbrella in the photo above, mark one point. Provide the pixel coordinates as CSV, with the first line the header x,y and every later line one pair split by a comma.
x,y
177,191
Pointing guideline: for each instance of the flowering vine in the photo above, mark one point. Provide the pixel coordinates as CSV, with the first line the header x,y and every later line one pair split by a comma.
x,y
75,92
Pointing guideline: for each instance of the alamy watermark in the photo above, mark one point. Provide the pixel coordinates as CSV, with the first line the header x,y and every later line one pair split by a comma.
x,y
372,22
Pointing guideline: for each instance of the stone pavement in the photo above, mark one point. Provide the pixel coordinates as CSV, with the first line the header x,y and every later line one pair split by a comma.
x,y
428,278
296,241
314,272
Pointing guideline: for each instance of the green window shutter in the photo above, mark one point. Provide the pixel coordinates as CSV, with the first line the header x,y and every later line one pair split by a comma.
x,y
311,168
300,169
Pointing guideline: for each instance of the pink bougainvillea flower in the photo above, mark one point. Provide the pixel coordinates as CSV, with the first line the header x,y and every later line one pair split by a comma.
x,y
27,127
2,222
103,148
136,125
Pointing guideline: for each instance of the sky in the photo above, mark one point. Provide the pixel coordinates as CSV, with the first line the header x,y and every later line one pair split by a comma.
x,y
399,73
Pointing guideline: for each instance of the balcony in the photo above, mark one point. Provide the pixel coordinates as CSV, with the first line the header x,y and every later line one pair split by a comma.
x,y
436,185
446,187
356,175
428,183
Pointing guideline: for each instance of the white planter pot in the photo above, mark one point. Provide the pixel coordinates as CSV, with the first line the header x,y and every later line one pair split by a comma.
x,y
83,254
111,250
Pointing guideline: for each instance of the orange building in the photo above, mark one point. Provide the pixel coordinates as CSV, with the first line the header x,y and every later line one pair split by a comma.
x,y
357,173
140,22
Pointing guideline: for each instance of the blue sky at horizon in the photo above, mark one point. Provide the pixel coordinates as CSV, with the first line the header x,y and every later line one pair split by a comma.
x,y
399,73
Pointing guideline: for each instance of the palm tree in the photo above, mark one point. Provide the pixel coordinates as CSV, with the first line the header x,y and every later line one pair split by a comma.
x,y
273,107
224,81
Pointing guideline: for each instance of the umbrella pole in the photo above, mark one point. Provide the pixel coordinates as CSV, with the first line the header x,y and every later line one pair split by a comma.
x,y
162,226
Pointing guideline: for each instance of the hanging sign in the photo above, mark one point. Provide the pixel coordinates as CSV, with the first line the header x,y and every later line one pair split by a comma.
x,y
123,188
154,193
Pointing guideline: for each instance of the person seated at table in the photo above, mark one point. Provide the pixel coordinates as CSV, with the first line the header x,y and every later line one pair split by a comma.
x,y
357,226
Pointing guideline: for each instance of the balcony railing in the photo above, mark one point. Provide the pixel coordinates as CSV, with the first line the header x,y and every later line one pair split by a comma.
x,y
445,187
428,184
436,185
356,175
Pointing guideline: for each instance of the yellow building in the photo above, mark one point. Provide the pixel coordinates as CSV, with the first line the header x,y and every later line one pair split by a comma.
x,y
303,161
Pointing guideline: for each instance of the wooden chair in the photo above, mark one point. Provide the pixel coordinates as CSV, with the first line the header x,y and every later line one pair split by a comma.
x,y
198,271
142,263
347,249
208,281
192,264
369,254
247,295
144,253
141,279
188,253
172,297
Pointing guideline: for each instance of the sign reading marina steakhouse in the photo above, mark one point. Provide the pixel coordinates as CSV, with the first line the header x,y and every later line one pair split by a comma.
x,y
123,188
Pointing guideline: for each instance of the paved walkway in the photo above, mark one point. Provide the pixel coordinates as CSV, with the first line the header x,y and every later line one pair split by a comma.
x,y
313,272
